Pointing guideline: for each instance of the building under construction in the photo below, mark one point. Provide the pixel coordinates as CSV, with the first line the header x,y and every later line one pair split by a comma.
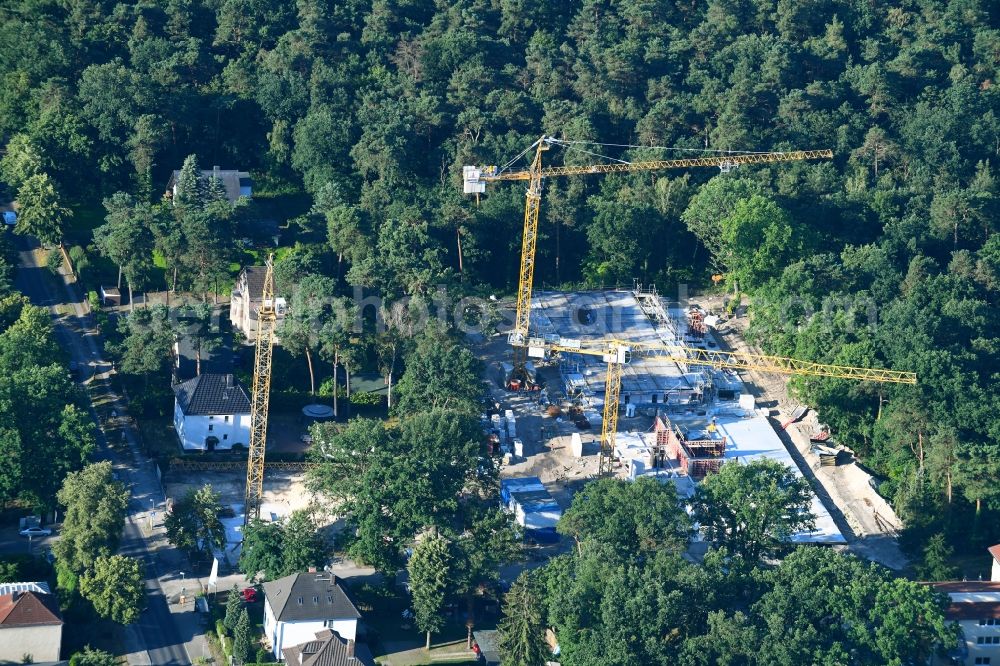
x,y
696,418
651,384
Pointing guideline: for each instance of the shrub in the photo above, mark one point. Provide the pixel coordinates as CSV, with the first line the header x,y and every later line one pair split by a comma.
x,y
366,398
78,257
54,261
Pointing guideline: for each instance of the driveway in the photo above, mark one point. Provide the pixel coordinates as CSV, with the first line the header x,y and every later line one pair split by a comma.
x,y
12,543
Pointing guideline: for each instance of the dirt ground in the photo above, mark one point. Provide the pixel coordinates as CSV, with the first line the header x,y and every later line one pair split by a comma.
x,y
284,492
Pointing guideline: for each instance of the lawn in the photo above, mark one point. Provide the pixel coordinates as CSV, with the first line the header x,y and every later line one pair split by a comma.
x,y
158,437
86,217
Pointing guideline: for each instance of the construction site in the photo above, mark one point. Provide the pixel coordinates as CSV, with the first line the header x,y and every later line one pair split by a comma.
x,y
679,421
621,383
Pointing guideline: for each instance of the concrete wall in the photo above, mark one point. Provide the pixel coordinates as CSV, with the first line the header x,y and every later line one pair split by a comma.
x,y
236,312
228,428
270,629
42,643
973,631
286,634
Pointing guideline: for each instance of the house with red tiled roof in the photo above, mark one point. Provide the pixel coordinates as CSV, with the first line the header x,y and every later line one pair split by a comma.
x,y
995,554
30,625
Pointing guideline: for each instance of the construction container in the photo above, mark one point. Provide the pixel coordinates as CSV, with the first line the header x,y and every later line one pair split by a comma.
x,y
533,507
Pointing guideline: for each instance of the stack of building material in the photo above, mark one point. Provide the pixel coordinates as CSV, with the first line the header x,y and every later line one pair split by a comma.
x,y
827,455
533,507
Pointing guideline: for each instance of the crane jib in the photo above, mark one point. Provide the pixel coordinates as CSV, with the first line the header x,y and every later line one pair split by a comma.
x,y
489,174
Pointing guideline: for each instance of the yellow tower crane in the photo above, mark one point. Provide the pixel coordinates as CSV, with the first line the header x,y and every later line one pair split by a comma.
x,y
476,178
617,353
266,322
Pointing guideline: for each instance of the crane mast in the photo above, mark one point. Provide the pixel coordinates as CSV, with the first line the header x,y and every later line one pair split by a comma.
x,y
476,178
266,322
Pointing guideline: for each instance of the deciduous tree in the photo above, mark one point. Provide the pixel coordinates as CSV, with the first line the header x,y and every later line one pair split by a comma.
x,y
94,516
115,587
753,509
193,522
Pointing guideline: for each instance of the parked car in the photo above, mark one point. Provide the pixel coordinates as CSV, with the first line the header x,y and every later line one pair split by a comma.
x,y
10,217
35,532
249,594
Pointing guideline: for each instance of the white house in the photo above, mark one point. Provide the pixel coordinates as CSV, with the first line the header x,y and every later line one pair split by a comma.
x,y
299,606
995,554
246,299
211,411
237,183
975,606
29,624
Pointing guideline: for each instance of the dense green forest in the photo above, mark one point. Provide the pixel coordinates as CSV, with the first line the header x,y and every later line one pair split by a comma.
x,y
886,255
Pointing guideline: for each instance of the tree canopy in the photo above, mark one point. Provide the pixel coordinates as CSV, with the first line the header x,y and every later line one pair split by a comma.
x,y
754,509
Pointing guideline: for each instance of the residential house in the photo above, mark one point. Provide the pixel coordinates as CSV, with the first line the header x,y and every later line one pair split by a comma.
x,y
329,649
30,624
237,183
211,411
246,299
995,554
299,606
975,606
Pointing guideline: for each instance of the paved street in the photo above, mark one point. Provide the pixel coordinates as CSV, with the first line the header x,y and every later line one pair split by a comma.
x,y
161,636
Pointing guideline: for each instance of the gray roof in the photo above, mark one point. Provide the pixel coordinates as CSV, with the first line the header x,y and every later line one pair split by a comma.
x,y
308,596
486,639
210,394
328,649
231,179
255,281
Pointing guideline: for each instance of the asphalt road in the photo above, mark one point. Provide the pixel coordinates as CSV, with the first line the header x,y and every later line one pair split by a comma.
x,y
160,636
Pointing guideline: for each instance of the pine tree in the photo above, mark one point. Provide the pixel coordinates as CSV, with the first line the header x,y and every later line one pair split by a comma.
x,y
521,632
189,185
937,556
430,572
233,607
216,189
241,637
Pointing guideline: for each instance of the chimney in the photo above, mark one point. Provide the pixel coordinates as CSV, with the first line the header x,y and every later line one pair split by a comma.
x,y
229,381
215,170
312,569
350,648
